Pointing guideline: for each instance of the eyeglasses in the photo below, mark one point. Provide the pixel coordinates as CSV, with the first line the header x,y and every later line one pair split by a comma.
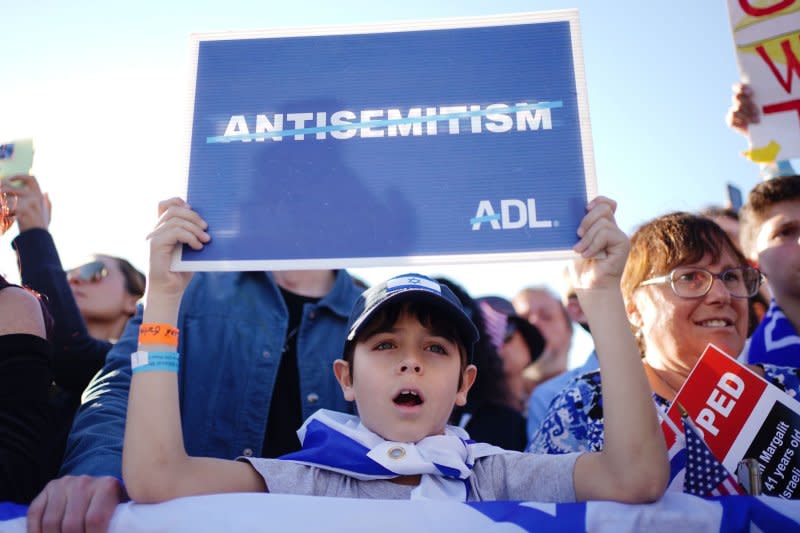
x,y
90,272
686,282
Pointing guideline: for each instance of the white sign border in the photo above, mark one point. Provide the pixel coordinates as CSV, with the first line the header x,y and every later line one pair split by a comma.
x,y
589,169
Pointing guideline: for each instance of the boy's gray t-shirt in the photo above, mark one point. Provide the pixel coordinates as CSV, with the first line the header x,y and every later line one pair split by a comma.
x,y
506,476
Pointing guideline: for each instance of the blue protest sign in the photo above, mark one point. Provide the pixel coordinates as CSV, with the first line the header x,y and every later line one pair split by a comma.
x,y
440,141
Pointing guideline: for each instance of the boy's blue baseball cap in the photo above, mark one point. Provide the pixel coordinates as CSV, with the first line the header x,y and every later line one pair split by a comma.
x,y
408,288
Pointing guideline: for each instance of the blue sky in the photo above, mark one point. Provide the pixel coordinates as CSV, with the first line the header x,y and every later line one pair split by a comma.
x,y
101,87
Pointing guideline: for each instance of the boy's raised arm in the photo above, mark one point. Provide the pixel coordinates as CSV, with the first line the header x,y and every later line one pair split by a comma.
x,y
155,465
633,465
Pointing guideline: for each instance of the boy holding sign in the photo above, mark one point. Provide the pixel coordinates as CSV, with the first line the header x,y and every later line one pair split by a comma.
x,y
406,364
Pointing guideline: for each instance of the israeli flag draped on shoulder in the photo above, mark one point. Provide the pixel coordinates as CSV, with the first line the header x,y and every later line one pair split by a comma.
x,y
775,340
339,442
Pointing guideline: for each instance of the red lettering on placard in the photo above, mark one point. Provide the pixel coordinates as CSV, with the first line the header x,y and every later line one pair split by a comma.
x,y
782,107
718,395
755,11
721,401
792,64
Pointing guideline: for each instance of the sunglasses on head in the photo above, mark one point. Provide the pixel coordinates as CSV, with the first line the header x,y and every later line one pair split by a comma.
x,y
90,272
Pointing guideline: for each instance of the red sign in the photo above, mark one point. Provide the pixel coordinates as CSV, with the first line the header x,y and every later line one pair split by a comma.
x,y
719,395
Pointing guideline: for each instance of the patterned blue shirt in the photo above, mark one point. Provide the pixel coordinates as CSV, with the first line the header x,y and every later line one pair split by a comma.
x,y
574,422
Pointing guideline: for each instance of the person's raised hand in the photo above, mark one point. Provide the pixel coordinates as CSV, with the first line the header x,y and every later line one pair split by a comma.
x,y
72,504
31,208
743,110
603,248
177,224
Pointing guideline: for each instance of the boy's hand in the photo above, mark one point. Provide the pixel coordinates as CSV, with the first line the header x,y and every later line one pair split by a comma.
x,y
32,208
177,224
603,248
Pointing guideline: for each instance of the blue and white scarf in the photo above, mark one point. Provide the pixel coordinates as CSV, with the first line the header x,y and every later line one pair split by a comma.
x,y
339,442
775,340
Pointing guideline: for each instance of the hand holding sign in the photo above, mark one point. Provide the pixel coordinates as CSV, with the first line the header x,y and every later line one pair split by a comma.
x,y
743,110
603,248
32,208
177,224
768,51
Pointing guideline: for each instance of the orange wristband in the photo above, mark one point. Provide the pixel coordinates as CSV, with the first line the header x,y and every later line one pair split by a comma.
x,y
165,334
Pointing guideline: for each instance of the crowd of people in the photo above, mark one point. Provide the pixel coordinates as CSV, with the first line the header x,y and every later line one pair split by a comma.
x,y
114,389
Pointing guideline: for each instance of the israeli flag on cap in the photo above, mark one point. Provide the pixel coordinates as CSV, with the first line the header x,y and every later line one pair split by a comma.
x,y
412,281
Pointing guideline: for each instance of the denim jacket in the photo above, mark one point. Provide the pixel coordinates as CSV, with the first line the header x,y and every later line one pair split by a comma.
x,y
232,333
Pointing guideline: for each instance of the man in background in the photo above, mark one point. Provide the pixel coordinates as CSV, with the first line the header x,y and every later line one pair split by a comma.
x,y
540,399
541,308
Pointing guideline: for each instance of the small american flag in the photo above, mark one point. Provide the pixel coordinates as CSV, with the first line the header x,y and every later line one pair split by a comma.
x,y
705,475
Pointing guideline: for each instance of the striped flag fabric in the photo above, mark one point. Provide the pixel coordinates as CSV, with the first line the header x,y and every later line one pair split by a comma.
x,y
675,512
705,475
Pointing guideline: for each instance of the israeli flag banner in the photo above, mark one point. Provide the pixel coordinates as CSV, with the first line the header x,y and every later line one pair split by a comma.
x,y
445,141
283,512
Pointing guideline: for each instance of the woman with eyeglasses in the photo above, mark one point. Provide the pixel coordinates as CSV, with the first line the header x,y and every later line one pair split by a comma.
x,y
685,285
25,376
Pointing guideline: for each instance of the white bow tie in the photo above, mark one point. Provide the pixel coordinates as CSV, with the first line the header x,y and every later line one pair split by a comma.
x,y
339,442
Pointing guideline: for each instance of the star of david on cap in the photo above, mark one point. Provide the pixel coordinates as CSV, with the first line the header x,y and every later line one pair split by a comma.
x,y
406,288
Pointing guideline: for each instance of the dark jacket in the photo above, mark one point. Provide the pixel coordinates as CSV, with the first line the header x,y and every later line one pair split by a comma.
x,y
25,453
77,356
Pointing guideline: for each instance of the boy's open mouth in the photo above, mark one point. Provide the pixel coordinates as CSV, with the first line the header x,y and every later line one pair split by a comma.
x,y
408,398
